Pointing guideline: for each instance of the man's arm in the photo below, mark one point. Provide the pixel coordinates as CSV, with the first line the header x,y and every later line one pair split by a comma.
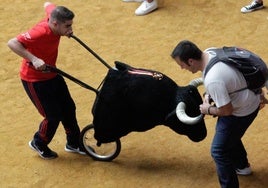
x,y
207,108
19,49
225,110
48,8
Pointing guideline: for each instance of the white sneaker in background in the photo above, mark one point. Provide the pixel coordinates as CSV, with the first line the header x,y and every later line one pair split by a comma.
x,y
146,8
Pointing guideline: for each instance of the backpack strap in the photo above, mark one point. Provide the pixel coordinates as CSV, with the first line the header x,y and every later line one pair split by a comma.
x,y
215,60
219,56
211,63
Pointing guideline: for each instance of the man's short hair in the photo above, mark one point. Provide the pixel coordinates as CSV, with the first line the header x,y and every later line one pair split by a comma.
x,y
186,50
61,14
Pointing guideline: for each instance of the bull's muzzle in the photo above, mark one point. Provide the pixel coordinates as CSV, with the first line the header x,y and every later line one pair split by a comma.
x,y
180,110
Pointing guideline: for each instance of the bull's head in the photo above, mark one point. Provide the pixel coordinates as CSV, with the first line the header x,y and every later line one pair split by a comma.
x,y
186,118
181,107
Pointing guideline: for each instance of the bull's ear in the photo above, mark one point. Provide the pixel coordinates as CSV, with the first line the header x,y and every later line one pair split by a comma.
x,y
121,66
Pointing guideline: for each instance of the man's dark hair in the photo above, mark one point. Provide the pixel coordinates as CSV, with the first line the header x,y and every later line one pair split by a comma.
x,y
186,50
61,14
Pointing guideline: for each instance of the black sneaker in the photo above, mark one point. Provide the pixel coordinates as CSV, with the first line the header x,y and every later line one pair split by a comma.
x,y
43,152
73,149
253,6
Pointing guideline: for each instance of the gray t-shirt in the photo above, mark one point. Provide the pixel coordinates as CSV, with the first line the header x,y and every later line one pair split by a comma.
x,y
221,80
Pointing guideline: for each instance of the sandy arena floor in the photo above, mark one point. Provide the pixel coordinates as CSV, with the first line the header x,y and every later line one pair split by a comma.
x,y
156,158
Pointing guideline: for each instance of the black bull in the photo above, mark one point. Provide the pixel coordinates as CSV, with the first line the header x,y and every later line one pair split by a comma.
x,y
139,99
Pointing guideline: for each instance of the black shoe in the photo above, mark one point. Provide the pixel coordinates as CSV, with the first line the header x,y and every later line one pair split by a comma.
x,y
73,149
251,7
43,152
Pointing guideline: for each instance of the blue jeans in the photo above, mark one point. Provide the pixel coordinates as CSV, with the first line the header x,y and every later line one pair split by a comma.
x,y
227,148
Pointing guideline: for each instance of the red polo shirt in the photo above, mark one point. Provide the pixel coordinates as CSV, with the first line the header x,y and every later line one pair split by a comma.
x,y
43,43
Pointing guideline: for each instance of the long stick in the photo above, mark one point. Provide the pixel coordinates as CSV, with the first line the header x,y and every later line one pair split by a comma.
x,y
54,69
91,51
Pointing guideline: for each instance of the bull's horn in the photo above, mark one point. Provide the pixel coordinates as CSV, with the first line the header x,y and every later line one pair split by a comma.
x,y
196,82
183,117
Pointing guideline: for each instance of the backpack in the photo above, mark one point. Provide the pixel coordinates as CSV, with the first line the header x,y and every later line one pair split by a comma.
x,y
249,64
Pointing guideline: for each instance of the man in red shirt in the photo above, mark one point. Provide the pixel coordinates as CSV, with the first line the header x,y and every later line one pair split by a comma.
x,y
47,90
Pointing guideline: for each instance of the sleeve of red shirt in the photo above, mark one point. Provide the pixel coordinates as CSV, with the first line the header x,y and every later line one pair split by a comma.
x,y
49,9
32,35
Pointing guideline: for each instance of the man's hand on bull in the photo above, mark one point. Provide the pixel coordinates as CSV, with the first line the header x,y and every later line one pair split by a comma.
x,y
208,99
206,107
